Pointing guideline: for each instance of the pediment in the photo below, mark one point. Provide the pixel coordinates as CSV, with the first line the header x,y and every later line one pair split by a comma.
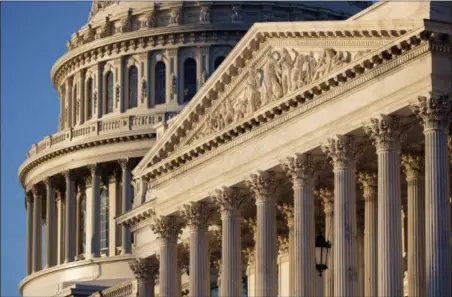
x,y
273,61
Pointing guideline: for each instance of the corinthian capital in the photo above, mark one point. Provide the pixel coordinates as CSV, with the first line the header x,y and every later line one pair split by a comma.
x,y
94,169
433,111
167,227
385,131
124,163
144,269
262,185
413,165
300,167
326,197
229,200
197,214
341,149
369,185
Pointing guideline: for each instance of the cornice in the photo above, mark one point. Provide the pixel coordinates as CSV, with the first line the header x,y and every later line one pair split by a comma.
x,y
254,39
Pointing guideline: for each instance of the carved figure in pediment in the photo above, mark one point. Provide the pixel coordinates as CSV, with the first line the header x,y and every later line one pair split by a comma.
x,y
286,65
272,86
252,93
295,76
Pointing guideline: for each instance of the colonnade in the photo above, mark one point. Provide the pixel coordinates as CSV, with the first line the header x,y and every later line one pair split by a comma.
x,y
428,219
64,222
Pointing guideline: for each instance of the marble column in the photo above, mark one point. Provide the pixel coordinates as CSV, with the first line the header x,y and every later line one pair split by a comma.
x,y
167,229
69,224
369,183
145,272
29,238
263,185
114,210
385,131
60,227
37,228
326,196
287,211
434,113
126,242
197,216
78,222
342,151
93,212
300,169
229,201
413,164
50,248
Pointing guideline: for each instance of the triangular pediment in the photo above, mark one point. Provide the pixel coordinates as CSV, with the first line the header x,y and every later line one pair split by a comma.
x,y
271,62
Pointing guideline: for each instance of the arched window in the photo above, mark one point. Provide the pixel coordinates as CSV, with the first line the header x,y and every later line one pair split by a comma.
x,y
83,222
104,219
218,61
110,93
89,101
160,83
190,79
133,87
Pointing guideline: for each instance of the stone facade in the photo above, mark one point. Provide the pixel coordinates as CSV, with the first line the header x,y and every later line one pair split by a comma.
x,y
126,75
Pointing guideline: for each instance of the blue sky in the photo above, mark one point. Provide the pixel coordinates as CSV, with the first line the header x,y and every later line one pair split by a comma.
x,y
33,37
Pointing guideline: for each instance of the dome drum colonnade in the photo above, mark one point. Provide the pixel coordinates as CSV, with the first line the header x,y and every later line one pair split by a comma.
x,y
383,251
70,204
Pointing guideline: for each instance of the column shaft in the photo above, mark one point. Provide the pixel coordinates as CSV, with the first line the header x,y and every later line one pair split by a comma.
x,y
69,224
29,238
329,235
60,230
266,248
168,284
304,238
50,247
370,247
416,237
37,230
344,246
126,203
390,265
231,244
78,223
437,219
93,213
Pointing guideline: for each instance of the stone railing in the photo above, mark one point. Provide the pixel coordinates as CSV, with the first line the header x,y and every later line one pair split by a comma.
x,y
128,289
95,128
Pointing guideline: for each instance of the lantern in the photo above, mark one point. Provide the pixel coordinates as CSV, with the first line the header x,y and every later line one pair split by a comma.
x,y
322,247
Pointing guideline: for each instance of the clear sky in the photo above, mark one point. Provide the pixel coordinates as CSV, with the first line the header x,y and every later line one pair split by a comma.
x,y
33,37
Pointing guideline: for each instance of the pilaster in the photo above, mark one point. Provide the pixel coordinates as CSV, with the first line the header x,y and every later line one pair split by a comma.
x,y
126,204
69,224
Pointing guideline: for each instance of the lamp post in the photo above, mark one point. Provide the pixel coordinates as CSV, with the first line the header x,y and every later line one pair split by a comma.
x,y
322,247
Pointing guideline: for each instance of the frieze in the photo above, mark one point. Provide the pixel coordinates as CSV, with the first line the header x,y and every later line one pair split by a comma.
x,y
282,74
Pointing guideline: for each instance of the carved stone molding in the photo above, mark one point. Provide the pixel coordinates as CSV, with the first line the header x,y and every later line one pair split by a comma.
x,y
385,131
263,185
326,197
413,165
197,214
342,150
369,184
229,200
300,167
433,111
144,269
167,227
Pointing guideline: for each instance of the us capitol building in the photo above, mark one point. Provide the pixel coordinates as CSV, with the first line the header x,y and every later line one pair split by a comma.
x,y
246,149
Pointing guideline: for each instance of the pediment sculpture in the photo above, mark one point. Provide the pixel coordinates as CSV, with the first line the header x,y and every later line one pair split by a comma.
x,y
282,74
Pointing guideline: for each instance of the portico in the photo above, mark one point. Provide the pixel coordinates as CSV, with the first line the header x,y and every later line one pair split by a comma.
x,y
252,140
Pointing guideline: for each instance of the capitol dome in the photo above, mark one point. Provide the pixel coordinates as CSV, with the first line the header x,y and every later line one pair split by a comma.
x,y
126,73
